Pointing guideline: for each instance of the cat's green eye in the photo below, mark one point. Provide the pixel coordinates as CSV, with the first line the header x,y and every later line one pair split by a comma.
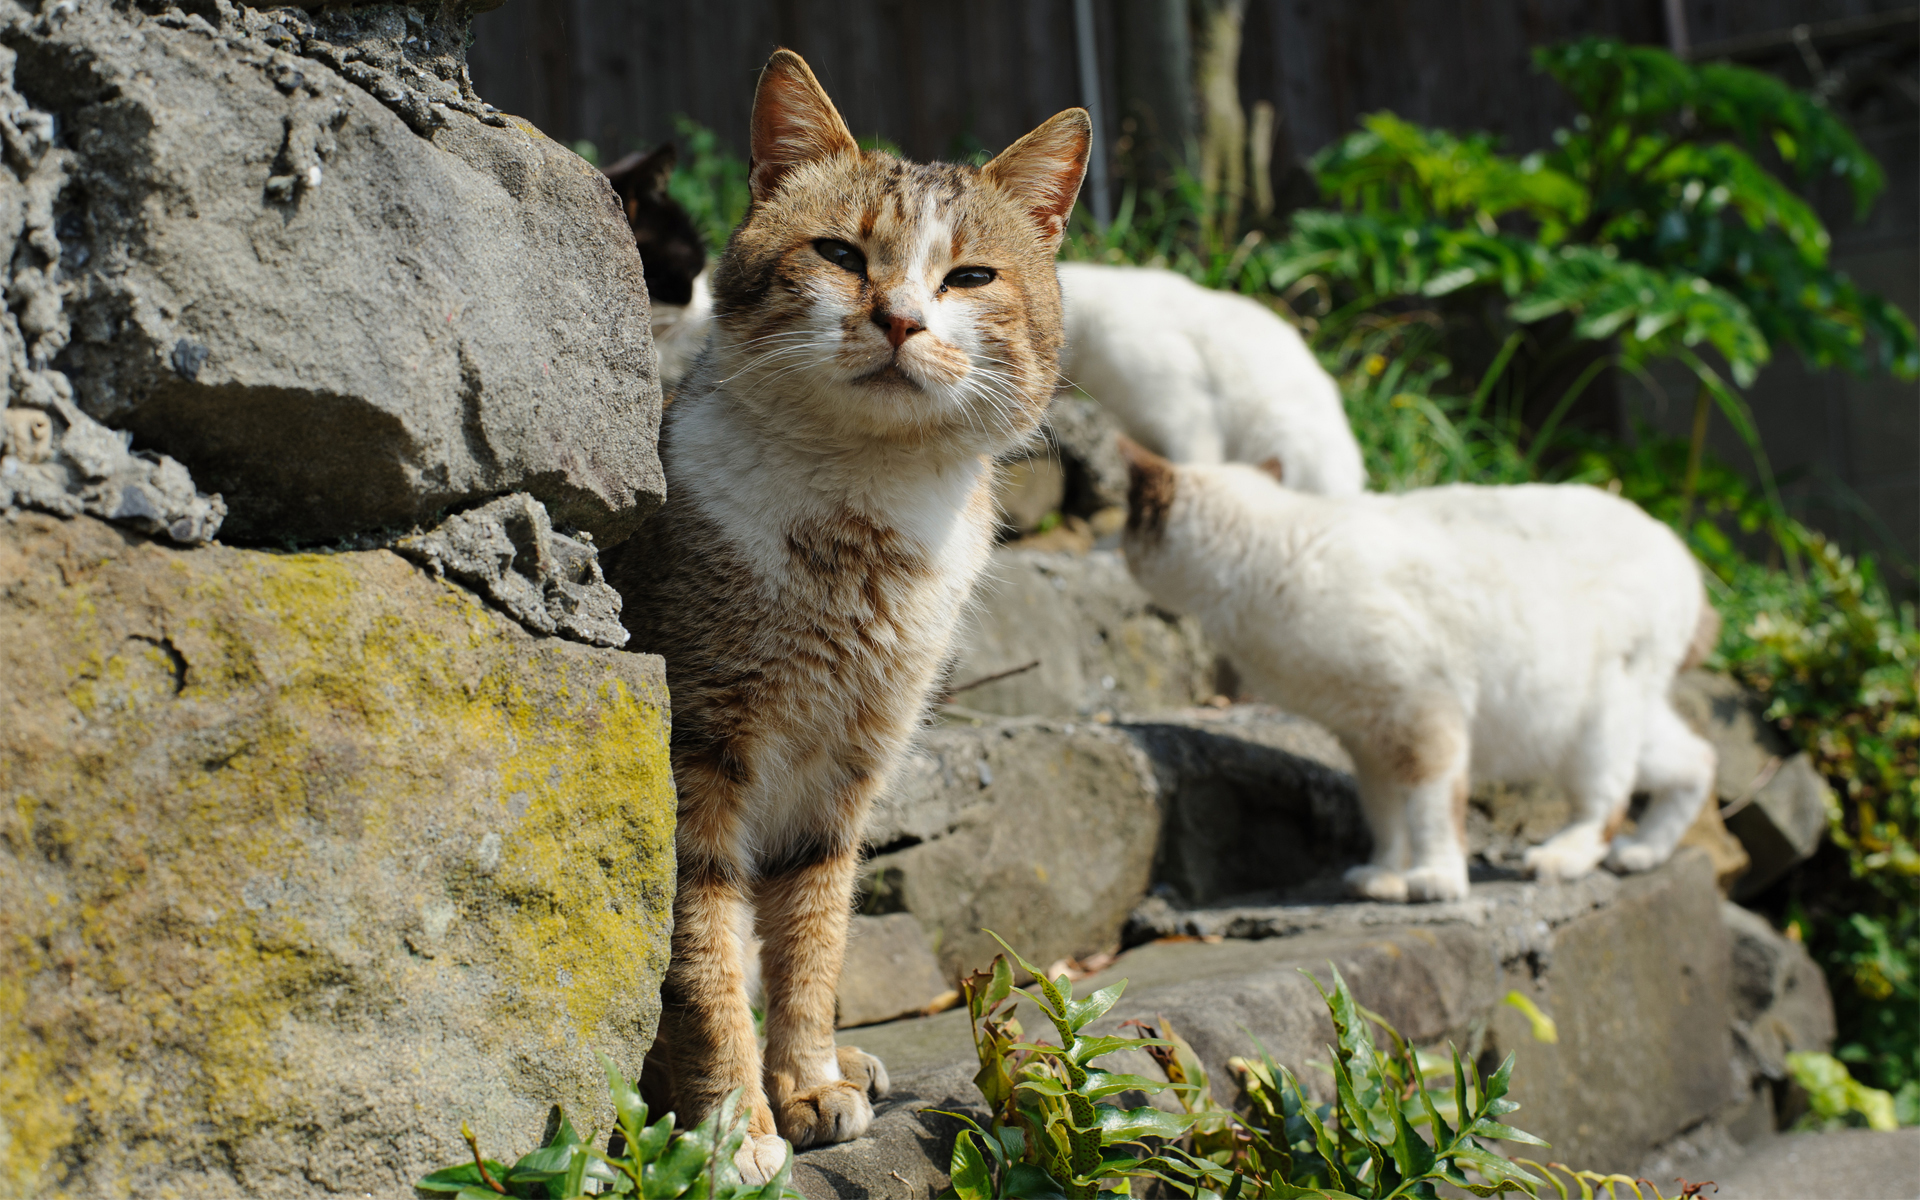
x,y
965,277
841,255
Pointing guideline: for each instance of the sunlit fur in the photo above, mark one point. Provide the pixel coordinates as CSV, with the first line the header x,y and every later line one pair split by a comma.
x,y
1445,635
828,509
1205,376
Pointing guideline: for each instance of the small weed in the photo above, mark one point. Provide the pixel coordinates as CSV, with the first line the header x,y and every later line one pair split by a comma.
x,y
657,1163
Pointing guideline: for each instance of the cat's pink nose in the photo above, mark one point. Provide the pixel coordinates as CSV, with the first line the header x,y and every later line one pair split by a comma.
x,y
899,326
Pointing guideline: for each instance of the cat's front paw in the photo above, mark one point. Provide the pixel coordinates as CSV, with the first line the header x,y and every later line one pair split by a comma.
x,y
1376,883
759,1157
1428,884
869,1073
1628,856
832,1112
1563,858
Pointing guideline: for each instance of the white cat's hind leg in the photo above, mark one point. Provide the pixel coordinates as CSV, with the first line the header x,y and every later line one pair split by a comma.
x,y
1600,782
1414,789
1384,802
1677,767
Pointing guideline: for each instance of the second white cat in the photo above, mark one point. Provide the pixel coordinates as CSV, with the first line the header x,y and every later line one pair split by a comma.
x,y
1507,633
1206,376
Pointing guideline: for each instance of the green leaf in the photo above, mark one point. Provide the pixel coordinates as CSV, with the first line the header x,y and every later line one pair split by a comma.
x,y
628,1108
1494,1129
452,1179
971,1180
1491,1166
1085,1049
1544,1030
1029,1182
1101,1083
1135,1123
1496,1084
1411,1154
1081,1013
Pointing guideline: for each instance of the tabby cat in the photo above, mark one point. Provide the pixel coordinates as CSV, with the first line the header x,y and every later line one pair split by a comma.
x,y
882,329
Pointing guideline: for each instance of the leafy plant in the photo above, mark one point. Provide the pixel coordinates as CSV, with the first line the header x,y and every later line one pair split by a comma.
x,y
710,183
1052,1131
658,1163
1834,1095
1050,1135
1654,222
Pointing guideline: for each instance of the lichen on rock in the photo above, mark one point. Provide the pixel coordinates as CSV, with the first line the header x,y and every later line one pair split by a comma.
x,y
303,860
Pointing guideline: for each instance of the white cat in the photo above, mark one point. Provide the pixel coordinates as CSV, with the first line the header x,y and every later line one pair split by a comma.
x,y
1196,374
1505,633
1206,376
680,333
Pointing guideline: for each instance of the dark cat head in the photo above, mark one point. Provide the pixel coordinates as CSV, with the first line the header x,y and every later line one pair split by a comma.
x,y
670,246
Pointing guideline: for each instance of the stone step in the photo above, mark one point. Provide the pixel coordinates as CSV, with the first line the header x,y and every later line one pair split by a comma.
x,y
1638,974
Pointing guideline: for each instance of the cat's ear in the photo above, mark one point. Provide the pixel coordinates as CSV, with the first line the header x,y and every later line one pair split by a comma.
x,y
793,123
1044,169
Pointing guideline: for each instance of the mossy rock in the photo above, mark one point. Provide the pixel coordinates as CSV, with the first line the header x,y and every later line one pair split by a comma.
x,y
303,859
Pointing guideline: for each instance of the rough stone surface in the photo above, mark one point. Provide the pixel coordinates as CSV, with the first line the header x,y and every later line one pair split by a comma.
x,y
53,457
1082,435
1101,645
1639,991
56,459
298,855
295,253
1846,1164
1038,831
1256,801
1780,998
546,580
890,970
1776,802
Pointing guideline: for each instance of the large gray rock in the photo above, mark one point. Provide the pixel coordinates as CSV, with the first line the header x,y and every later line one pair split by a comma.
x,y
304,859
295,253
1043,833
1101,644
889,972
53,457
1780,999
1776,803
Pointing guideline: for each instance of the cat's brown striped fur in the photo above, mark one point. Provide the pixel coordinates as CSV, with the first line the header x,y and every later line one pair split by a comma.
x,y
828,510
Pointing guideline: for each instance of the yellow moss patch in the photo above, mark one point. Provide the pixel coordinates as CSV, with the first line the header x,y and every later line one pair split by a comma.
x,y
249,780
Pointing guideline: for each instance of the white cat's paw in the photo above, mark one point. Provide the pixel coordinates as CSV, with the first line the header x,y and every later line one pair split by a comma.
x,y
1558,860
1426,884
759,1157
1376,883
1628,856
